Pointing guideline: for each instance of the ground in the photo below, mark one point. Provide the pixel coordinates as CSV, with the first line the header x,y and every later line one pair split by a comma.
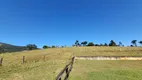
x,y
106,70
36,68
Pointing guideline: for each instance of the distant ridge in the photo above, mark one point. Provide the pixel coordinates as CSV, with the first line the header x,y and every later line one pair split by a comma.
x,y
12,48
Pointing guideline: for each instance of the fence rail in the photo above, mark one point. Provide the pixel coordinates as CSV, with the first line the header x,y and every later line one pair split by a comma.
x,y
66,70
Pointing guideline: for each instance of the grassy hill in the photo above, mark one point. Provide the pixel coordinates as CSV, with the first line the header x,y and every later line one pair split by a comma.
x,y
11,48
107,51
36,68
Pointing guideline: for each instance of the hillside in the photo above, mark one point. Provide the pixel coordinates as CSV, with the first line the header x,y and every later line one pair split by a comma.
x,y
11,48
46,64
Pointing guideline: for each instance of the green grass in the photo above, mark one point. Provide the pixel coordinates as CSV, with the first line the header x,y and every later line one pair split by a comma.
x,y
36,68
106,70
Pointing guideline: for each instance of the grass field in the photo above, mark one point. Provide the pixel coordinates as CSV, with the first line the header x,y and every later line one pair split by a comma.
x,y
107,51
36,68
106,70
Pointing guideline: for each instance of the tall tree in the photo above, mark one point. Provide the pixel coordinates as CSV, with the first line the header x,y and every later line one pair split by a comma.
x,y
120,44
134,42
105,44
140,42
112,43
84,43
77,43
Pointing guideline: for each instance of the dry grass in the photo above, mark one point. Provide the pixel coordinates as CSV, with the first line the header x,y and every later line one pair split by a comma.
x,y
107,51
36,68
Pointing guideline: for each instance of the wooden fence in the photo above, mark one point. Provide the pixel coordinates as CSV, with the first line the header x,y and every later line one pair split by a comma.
x,y
25,59
1,59
66,70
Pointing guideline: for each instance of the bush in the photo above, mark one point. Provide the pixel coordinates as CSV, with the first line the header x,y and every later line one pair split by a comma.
x,y
90,44
53,46
31,47
45,47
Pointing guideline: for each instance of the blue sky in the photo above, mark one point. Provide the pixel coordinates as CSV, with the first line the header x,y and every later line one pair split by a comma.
x,y
61,22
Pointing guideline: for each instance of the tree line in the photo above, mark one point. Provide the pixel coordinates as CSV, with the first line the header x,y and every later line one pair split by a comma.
x,y
77,43
86,43
111,43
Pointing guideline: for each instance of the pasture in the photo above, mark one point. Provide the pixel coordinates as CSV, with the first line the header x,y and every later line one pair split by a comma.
x,y
36,67
106,70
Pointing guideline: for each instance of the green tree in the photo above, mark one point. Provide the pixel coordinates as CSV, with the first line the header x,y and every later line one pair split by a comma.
x,y
134,42
97,45
105,44
140,42
91,44
77,43
53,46
45,47
84,43
112,43
120,44
31,47
101,44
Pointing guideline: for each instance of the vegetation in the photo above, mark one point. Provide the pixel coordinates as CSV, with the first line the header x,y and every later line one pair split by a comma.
x,y
1,49
112,43
90,44
105,44
11,48
57,58
77,43
134,42
53,46
31,47
140,42
45,47
106,70
120,44
84,43
107,51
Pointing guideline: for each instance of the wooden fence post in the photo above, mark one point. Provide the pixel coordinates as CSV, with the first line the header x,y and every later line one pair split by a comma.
x,y
44,57
23,60
67,72
1,59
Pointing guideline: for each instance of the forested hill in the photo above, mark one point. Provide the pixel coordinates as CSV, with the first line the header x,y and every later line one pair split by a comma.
x,y
4,47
